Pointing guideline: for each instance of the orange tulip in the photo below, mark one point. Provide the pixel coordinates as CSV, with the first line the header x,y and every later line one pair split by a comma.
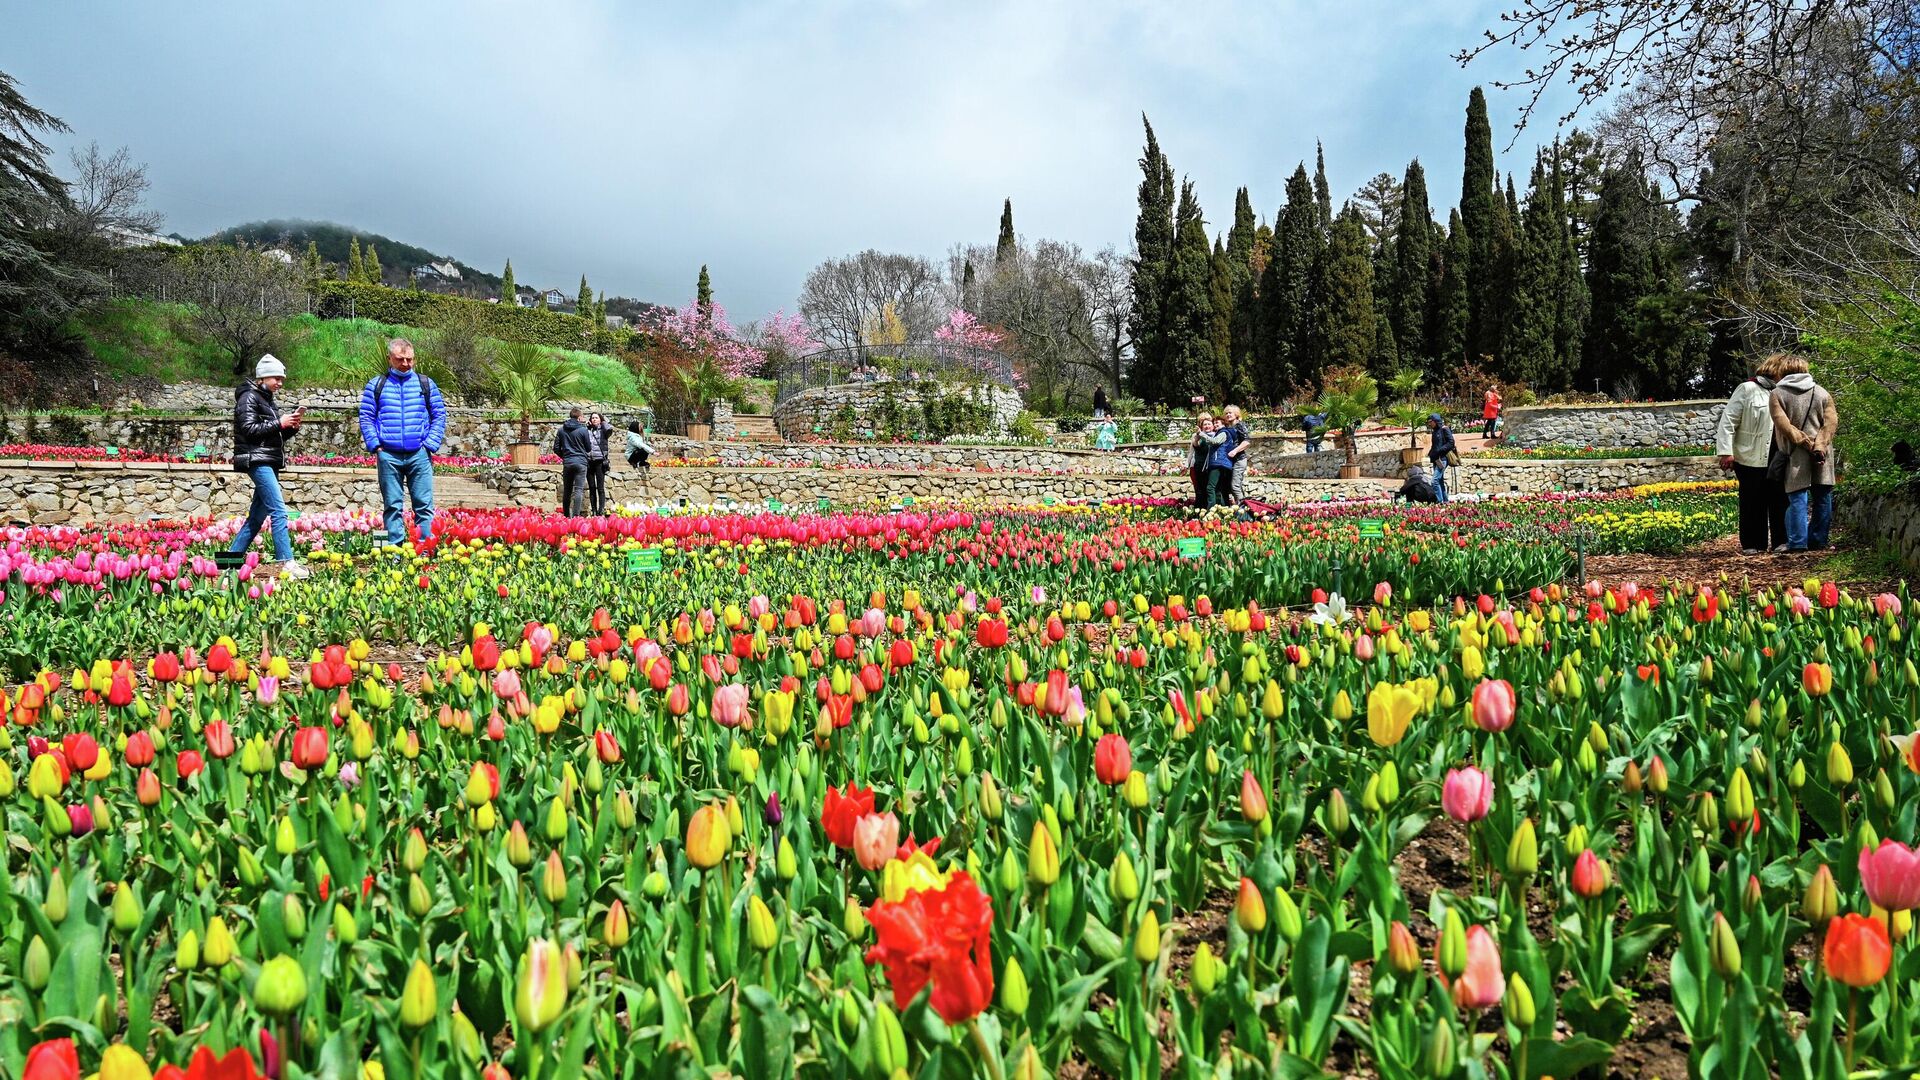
x,y
1817,680
1857,950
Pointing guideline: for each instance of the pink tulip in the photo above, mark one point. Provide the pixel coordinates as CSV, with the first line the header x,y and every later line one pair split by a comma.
x,y
1482,985
1890,874
506,684
873,623
1363,647
1493,705
269,691
875,839
1886,603
1800,605
1467,794
730,704
1594,589
1383,593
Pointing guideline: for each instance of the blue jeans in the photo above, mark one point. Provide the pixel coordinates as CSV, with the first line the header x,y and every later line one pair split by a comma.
x,y
1809,517
1439,481
404,475
267,503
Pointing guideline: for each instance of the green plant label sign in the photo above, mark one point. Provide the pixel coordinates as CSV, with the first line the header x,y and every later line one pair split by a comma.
x,y
199,451
1372,528
643,561
774,505
907,501
1046,500
826,505
113,451
1192,547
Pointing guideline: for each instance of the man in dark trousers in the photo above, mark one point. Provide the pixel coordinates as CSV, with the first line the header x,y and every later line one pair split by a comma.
x,y
572,445
1439,454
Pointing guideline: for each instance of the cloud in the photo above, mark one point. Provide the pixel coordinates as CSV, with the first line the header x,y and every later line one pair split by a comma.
x,y
635,143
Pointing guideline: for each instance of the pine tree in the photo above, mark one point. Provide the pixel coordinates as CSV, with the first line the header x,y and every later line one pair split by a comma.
x,y
600,309
702,291
1346,330
374,274
583,304
509,292
1413,255
1187,321
1322,195
1479,193
1007,247
1452,310
1153,240
1240,250
1220,332
311,268
969,297
1285,330
356,266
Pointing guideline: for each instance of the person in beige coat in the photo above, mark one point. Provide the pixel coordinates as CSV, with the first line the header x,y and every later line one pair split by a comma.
x,y
1743,439
1804,423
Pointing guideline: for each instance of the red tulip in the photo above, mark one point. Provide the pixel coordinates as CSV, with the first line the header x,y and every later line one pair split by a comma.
x,y
55,1059
309,747
146,788
940,936
1112,759
1857,950
843,811
120,690
166,667
139,753
606,746
679,700
81,752
1590,875
188,762
219,658
486,653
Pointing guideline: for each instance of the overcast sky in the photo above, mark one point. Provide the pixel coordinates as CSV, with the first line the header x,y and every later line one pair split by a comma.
x,y
634,142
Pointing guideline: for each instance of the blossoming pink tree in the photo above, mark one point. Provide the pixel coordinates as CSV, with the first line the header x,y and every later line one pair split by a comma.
x,y
703,330
973,344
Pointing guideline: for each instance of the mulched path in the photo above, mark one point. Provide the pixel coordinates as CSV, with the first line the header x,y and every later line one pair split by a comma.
x,y
1706,563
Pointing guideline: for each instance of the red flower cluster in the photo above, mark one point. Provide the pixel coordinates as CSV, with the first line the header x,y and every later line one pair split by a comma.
x,y
939,936
840,813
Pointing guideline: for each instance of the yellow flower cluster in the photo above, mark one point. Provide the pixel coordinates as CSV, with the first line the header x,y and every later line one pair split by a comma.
x,y
1685,487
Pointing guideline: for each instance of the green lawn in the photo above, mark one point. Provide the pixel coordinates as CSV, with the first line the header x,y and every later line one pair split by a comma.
x,y
135,338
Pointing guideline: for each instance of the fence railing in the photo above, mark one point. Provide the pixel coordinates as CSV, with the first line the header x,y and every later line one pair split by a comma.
x,y
933,361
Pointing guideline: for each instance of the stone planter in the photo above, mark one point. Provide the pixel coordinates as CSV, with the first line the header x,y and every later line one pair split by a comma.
x,y
1349,472
523,453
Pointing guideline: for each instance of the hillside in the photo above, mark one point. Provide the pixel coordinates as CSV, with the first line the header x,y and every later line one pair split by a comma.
x,y
331,240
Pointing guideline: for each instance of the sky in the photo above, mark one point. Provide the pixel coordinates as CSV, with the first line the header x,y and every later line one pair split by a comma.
x,y
634,142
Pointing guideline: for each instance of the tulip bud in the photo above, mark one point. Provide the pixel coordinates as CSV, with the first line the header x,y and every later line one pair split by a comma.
x,y
1883,789
1453,945
519,847
1253,801
889,1041
540,985
413,853
466,1038
852,920
553,879
281,986
617,928
989,797
1339,815
708,837
1701,871
556,829
1821,903
1122,883
1630,781
1403,953
1657,776
1206,969
654,885
1146,943
218,950
37,966
1013,988
345,929
420,999
1839,766
125,909
419,901
1286,916
1438,1051
1519,1003
1740,798
1043,856
1724,948
1523,851
762,930
293,917
1707,816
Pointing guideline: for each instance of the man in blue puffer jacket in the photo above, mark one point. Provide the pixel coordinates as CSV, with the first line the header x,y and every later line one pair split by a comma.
x,y
403,420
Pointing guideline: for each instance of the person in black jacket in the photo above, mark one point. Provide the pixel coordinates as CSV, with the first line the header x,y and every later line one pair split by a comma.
x,y
1439,453
260,437
597,432
573,446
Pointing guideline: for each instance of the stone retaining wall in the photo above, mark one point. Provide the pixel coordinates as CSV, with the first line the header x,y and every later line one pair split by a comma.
x,y
52,493
861,407
1508,476
470,432
200,397
1667,423
1892,518
801,488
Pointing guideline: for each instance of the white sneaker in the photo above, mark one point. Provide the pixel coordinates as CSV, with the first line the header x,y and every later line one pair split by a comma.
x,y
294,570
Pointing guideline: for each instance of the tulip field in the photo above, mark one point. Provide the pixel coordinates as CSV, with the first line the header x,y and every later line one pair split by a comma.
x,y
952,791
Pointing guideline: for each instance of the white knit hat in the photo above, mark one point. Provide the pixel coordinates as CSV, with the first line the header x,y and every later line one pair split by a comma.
x,y
269,367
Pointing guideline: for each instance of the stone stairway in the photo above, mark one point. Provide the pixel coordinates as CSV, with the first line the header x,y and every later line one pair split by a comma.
x,y
452,489
755,429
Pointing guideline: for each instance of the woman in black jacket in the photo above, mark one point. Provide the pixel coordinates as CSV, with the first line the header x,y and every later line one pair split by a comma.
x,y
260,437
597,433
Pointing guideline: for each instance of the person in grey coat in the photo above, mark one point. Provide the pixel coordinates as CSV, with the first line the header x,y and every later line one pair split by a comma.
x,y
1804,423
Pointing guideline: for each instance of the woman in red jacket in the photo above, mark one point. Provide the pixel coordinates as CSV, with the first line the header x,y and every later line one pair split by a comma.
x,y
1490,412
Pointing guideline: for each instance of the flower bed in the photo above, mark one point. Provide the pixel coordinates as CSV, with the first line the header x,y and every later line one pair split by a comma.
x,y
942,793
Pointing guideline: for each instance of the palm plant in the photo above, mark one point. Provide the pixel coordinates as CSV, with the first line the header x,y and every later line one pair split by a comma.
x,y
1348,397
527,379
361,366
704,383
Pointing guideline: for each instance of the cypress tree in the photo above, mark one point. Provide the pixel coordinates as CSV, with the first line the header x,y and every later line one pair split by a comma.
x,y
702,290
1007,246
356,266
1285,321
374,274
1346,331
1187,322
1153,241
583,304
1479,194
509,292
310,265
1452,309
1240,251
1220,329
1570,288
1532,312
1413,256
968,298
1620,273
1322,196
